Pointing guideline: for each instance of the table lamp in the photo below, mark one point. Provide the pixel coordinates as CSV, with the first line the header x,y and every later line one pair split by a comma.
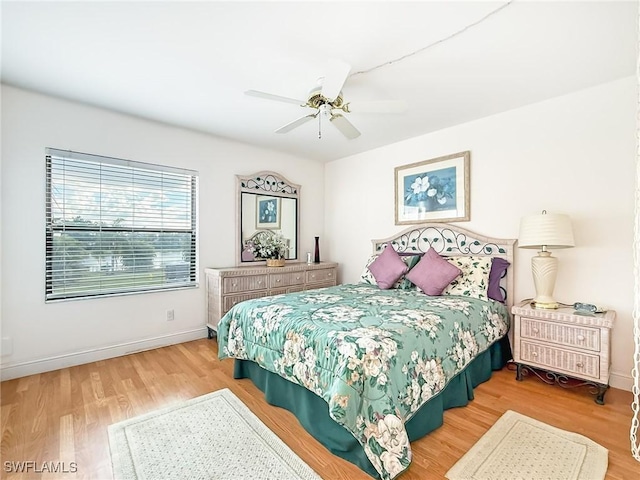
x,y
542,231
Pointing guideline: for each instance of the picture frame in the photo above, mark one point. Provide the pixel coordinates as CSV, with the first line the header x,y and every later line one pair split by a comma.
x,y
435,190
268,212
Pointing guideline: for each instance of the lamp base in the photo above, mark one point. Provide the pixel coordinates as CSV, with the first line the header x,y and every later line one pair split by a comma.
x,y
545,268
544,305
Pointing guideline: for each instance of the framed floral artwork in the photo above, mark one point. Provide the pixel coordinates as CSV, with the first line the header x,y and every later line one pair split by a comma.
x,y
267,212
435,190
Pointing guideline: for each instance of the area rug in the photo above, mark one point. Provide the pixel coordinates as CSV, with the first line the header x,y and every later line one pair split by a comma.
x,y
521,447
214,436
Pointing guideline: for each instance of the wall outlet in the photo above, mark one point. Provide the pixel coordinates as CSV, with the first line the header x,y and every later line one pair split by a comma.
x,y
170,315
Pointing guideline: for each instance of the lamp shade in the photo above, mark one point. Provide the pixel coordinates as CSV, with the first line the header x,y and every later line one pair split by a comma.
x,y
550,230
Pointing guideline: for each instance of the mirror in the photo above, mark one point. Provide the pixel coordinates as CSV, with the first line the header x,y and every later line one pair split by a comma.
x,y
267,205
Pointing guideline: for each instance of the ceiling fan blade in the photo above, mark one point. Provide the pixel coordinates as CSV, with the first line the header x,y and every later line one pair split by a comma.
x,y
345,126
270,96
381,106
296,123
336,74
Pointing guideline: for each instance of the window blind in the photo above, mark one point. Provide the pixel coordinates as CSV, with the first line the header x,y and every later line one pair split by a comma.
x,y
117,226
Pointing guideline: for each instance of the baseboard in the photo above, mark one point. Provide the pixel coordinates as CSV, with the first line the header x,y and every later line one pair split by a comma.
x,y
621,381
22,369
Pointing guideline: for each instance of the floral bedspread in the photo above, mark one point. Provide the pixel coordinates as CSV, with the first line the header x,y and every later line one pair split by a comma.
x,y
374,355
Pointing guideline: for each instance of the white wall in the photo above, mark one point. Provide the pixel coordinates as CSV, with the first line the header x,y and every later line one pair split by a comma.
x,y
574,154
45,336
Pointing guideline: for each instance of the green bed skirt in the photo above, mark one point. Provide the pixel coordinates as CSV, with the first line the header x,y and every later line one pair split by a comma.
x,y
313,412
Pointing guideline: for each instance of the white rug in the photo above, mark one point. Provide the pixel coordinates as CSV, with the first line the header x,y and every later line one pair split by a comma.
x,y
214,436
519,447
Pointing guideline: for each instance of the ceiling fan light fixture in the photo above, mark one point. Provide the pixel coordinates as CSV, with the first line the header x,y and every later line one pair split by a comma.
x,y
327,100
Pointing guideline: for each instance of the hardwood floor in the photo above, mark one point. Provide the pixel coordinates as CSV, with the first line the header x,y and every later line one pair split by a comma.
x,y
62,416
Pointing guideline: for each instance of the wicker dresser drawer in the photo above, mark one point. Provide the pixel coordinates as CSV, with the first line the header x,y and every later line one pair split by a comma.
x,y
244,284
278,280
560,360
560,333
322,275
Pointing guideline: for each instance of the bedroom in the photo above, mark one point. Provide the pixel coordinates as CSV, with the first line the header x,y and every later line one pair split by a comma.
x,y
572,154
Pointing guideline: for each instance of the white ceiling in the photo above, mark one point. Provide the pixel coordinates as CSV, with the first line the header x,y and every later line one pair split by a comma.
x,y
188,63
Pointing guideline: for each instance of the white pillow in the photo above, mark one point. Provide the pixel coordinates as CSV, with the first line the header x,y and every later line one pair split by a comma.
x,y
474,279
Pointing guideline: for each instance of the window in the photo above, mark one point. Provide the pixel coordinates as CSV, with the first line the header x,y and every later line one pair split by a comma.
x,y
116,226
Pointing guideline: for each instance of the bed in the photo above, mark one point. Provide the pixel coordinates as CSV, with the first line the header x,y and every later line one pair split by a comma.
x,y
371,366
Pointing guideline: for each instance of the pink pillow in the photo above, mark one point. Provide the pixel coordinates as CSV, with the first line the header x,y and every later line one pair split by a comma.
x,y
433,273
388,268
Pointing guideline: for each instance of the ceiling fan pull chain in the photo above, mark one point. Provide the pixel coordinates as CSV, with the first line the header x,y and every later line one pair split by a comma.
x,y
319,127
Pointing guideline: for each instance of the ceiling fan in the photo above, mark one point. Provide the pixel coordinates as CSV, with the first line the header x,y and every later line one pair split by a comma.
x,y
329,104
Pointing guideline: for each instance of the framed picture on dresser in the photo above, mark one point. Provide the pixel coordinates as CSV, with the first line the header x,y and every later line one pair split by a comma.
x,y
268,212
435,190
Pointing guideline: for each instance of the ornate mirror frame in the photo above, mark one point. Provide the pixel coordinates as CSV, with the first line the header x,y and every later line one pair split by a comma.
x,y
287,197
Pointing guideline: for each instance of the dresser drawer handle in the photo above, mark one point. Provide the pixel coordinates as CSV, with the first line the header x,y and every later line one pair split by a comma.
x,y
329,274
581,338
234,284
535,330
259,282
298,278
277,280
580,364
534,354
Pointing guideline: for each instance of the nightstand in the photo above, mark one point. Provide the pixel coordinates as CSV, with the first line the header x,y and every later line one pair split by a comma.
x,y
571,349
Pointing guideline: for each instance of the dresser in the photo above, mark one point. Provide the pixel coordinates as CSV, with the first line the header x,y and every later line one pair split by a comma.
x,y
228,286
571,348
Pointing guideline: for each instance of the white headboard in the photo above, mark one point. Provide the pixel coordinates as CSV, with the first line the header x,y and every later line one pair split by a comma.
x,y
448,240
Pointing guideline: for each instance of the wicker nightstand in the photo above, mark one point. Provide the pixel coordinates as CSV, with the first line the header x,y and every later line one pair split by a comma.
x,y
572,349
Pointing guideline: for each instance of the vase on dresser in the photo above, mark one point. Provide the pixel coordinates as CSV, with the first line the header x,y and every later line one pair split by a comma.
x,y
317,251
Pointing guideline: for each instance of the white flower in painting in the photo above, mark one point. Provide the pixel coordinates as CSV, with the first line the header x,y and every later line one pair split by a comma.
x,y
392,436
432,192
420,184
442,200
